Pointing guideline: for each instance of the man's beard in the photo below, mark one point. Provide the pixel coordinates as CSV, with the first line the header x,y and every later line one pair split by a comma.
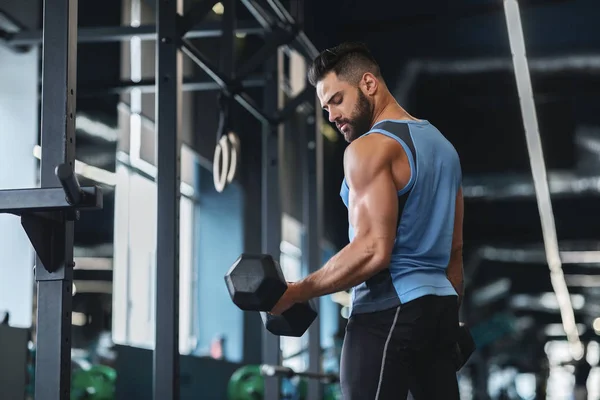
x,y
360,120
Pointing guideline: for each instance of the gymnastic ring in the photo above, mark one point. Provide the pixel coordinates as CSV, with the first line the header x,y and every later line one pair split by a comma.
x,y
234,146
221,169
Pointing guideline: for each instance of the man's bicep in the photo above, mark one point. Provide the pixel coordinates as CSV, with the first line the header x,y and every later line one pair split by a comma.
x,y
374,211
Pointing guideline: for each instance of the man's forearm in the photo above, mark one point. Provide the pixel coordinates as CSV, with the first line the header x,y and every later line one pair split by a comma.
x,y
353,265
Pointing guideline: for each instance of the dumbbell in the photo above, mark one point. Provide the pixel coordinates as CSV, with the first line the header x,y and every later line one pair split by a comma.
x,y
255,283
465,345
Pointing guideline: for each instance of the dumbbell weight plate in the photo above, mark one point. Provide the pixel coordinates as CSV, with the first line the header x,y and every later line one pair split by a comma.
x,y
293,322
255,282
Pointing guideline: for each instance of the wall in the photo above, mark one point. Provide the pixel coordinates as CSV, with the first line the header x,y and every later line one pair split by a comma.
x,y
219,240
19,126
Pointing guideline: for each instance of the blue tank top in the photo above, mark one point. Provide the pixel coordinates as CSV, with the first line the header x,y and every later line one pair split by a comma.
x,y
425,220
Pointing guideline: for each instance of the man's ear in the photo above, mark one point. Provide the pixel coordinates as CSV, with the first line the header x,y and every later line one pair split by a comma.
x,y
369,83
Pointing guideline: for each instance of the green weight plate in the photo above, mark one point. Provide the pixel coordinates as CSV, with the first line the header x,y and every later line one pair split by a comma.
x,y
95,383
246,384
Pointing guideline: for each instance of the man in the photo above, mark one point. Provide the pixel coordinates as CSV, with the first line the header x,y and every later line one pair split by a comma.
x,y
402,188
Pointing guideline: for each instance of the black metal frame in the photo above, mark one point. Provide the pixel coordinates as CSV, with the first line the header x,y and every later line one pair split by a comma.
x,y
48,213
271,210
48,217
312,202
168,145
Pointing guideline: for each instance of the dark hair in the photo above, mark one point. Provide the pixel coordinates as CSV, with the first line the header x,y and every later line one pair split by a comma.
x,y
349,60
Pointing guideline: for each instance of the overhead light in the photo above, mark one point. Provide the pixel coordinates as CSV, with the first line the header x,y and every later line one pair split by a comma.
x,y
218,8
596,326
538,170
79,319
557,329
589,281
549,300
533,255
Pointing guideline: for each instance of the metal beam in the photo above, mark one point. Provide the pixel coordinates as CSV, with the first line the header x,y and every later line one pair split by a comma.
x,y
262,16
195,14
305,96
271,207
302,43
149,86
227,50
275,39
312,185
124,33
22,201
168,123
224,82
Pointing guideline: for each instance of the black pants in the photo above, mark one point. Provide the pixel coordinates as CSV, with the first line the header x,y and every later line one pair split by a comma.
x,y
387,353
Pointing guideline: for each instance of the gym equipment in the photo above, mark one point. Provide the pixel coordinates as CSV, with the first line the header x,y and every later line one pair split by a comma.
x,y
48,213
465,346
278,370
94,383
255,283
246,384
227,150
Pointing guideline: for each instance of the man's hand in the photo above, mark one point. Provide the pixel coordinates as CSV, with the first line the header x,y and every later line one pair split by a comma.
x,y
288,299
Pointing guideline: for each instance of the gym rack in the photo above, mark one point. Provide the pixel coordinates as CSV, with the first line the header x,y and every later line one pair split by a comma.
x,y
48,218
48,213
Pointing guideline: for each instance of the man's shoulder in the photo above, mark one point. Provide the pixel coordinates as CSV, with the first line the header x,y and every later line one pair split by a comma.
x,y
374,146
370,152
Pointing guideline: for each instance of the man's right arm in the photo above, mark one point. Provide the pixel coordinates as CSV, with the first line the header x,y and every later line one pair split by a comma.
x,y
455,266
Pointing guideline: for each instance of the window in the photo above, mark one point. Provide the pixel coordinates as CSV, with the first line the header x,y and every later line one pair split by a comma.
x,y
134,273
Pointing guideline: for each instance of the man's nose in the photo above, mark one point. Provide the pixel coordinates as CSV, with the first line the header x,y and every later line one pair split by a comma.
x,y
333,116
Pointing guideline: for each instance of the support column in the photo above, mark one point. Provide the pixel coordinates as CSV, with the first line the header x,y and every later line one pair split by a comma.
x,y
54,298
271,208
312,183
168,127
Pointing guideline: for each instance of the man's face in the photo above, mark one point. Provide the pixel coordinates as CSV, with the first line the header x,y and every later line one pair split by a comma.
x,y
348,107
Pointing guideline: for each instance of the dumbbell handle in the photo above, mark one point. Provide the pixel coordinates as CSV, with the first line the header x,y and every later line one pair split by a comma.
x,y
278,370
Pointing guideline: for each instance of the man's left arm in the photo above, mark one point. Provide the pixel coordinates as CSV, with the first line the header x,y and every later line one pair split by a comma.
x,y
373,212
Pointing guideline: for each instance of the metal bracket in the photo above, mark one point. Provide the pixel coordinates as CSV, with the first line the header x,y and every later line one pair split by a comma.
x,y
44,212
44,231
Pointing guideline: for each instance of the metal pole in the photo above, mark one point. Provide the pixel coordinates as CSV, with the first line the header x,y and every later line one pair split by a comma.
x,y
228,39
168,123
312,174
54,301
105,34
271,208
149,86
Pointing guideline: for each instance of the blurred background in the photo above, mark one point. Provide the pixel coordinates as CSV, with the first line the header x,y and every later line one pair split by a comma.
x,y
449,63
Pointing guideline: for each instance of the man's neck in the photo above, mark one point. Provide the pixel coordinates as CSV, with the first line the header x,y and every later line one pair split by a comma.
x,y
390,109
